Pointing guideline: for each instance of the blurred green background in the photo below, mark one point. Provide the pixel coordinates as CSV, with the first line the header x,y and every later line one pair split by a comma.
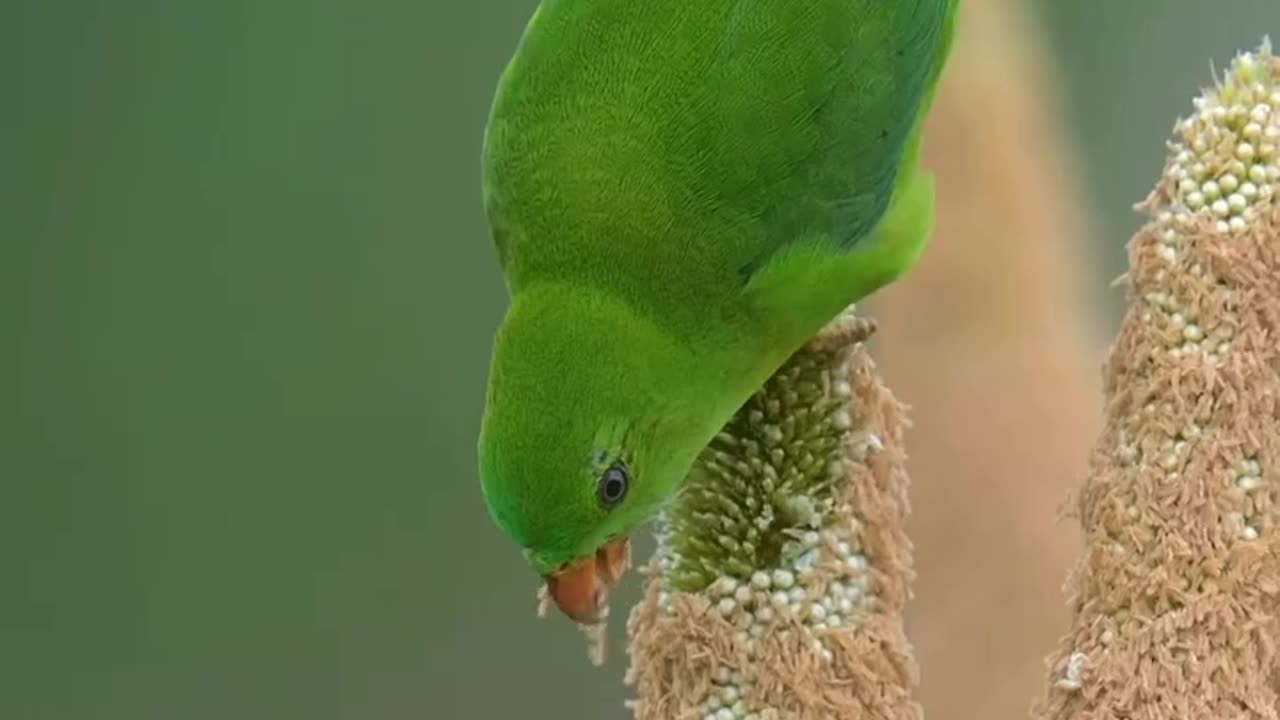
x,y
247,299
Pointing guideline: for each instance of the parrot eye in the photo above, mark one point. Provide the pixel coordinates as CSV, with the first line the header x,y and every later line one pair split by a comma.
x,y
614,485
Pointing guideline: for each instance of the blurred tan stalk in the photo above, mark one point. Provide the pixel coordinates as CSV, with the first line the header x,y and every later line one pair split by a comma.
x,y
986,341
1174,598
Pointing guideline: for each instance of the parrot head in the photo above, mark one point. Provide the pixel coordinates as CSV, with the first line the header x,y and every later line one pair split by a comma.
x,y
583,438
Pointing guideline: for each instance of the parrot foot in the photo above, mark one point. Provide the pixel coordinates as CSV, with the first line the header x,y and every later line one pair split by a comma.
x,y
845,330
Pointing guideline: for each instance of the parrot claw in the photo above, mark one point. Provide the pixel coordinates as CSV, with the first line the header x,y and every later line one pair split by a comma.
x,y
845,330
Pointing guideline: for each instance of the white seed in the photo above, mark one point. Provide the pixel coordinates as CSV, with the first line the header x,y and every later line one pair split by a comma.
x,y
783,579
1229,183
1237,202
727,606
1245,151
760,580
1249,483
1220,208
725,586
1193,333
817,612
1211,189
1237,225
1250,532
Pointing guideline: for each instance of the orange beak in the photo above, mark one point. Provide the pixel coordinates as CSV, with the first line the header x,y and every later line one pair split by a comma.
x,y
581,590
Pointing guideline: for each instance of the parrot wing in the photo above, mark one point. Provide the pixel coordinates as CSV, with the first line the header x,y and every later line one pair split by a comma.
x,y
668,149
823,129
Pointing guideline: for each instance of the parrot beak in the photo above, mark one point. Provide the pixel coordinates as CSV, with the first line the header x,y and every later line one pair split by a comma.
x,y
581,590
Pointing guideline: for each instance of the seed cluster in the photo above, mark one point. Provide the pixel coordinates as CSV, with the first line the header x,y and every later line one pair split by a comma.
x,y
761,528
1226,161
728,698
1224,170
767,479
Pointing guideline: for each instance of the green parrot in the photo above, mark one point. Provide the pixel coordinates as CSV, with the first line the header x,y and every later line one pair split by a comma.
x,y
682,193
